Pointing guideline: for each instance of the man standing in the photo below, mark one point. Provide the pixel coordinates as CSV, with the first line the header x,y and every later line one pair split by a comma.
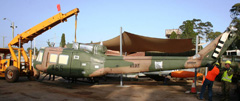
x,y
226,80
211,75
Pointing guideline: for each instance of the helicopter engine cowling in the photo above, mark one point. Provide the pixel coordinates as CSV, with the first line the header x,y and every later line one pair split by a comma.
x,y
91,48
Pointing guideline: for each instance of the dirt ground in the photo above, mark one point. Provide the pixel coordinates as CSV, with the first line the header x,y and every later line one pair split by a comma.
x,y
141,90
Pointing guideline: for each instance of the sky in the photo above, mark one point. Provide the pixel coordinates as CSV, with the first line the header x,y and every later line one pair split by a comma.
x,y
100,20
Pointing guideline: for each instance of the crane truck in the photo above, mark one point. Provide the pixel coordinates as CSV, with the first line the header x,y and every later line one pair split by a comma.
x,y
12,68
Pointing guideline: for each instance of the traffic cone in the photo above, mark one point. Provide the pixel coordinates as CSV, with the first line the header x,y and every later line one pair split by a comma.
x,y
193,89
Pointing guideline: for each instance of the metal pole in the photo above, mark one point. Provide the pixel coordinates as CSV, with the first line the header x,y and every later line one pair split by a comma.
x,y
120,41
75,27
12,26
121,83
31,45
3,41
34,48
206,70
196,50
13,29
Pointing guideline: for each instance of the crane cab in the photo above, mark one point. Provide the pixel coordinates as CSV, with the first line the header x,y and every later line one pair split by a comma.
x,y
4,62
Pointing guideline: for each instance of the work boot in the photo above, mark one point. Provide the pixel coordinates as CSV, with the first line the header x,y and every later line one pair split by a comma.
x,y
198,97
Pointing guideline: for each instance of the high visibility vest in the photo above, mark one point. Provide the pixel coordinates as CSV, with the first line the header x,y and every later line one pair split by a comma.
x,y
211,75
225,76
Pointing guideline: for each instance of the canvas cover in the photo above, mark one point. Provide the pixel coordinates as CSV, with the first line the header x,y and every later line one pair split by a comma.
x,y
136,43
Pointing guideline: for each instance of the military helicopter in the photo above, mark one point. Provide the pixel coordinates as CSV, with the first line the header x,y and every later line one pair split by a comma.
x,y
90,61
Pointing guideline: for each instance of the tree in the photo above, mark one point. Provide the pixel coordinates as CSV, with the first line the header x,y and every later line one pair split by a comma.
x,y
49,44
235,10
173,35
63,42
187,29
194,27
212,35
235,14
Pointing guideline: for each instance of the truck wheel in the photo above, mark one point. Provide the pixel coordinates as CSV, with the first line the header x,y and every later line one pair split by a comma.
x,y
11,74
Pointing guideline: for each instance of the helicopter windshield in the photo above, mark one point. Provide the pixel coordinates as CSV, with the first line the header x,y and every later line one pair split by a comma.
x,y
40,55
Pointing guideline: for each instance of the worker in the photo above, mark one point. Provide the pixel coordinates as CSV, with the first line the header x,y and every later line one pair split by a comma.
x,y
226,80
213,71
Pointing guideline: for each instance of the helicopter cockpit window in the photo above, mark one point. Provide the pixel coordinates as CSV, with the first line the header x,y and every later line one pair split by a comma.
x,y
40,55
63,59
53,58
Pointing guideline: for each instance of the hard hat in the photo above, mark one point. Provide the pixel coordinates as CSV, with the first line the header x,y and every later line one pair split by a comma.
x,y
228,62
217,63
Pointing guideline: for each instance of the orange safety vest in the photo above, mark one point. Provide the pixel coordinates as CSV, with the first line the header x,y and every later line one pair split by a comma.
x,y
211,75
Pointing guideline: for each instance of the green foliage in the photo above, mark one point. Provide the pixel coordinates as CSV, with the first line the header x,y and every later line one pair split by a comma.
x,y
63,42
36,50
235,14
173,35
194,27
236,23
212,35
49,44
187,29
235,11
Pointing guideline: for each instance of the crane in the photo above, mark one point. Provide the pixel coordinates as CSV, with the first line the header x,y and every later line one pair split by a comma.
x,y
11,68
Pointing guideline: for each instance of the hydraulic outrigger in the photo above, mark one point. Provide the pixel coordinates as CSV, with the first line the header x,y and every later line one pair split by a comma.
x,y
12,68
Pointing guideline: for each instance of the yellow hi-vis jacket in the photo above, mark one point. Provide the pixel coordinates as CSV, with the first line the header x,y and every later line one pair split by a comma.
x,y
226,77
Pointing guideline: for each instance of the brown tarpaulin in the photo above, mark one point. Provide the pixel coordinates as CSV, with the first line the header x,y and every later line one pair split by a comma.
x,y
137,43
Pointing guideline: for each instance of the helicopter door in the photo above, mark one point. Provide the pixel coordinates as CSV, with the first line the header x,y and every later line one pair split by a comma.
x,y
63,66
51,61
75,65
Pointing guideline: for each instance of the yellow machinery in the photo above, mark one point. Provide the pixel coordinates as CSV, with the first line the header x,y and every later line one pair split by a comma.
x,y
12,68
3,61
